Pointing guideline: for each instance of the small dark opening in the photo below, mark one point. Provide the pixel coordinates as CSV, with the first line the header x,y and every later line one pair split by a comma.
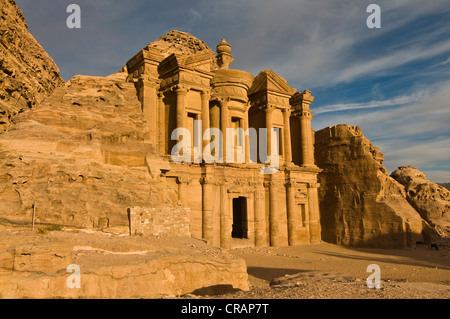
x,y
240,227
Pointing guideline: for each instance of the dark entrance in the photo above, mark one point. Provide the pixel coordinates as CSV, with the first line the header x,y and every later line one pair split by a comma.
x,y
239,218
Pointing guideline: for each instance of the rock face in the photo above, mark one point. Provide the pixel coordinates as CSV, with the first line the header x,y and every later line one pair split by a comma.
x,y
429,199
79,159
110,268
27,73
360,204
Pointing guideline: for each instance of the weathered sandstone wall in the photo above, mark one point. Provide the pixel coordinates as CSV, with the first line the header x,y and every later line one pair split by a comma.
x,y
27,73
79,159
360,204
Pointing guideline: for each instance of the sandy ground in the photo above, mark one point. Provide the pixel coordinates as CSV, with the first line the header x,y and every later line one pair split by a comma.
x,y
329,271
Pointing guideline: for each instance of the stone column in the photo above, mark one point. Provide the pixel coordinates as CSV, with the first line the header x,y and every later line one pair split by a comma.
x,y
207,209
181,97
300,102
148,96
205,96
260,215
181,107
183,194
314,214
161,124
246,136
287,137
225,224
306,140
269,126
224,124
275,223
293,223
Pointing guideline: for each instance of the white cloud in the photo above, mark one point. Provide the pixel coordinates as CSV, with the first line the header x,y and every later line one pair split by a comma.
x,y
415,134
400,100
445,62
420,154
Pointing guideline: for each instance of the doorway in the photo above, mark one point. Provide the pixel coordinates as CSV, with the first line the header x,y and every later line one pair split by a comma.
x,y
240,223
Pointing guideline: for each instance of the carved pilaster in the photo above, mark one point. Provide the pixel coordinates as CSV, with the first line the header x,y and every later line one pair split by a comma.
x,y
183,182
287,136
260,214
300,103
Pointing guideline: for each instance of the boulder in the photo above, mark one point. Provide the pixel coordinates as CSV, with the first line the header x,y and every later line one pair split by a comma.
x,y
114,268
431,200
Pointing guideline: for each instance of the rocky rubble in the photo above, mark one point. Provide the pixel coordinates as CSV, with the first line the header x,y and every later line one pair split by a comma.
x,y
27,73
360,204
429,199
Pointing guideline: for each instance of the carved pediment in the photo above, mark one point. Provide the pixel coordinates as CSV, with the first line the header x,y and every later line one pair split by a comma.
x,y
201,63
269,82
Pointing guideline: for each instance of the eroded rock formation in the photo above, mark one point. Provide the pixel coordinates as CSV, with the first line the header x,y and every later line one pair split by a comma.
x,y
114,267
359,203
79,159
429,199
27,73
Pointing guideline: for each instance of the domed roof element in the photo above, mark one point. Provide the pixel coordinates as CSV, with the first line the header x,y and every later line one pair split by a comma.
x,y
180,43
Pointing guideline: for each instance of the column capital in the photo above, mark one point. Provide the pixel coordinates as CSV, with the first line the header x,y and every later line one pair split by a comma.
x,y
269,108
205,94
290,184
223,100
145,81
208,180
183,179
222,181
272,183
304,98
287,112
256,184
181,90
303,113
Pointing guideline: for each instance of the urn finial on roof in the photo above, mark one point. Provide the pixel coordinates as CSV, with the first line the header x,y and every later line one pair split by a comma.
x,y
224,58
223,47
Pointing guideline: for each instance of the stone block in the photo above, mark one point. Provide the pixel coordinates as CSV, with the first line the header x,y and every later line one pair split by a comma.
x,y
48,258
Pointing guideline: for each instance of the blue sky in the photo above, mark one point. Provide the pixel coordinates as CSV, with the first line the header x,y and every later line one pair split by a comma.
x,y
393,82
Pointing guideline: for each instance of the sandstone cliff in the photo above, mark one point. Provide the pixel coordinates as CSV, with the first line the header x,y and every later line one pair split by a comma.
x,y
79,159
359,203
429,199
27,73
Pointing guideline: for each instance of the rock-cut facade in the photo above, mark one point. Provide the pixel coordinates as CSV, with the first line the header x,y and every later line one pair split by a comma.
x,y
181,82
